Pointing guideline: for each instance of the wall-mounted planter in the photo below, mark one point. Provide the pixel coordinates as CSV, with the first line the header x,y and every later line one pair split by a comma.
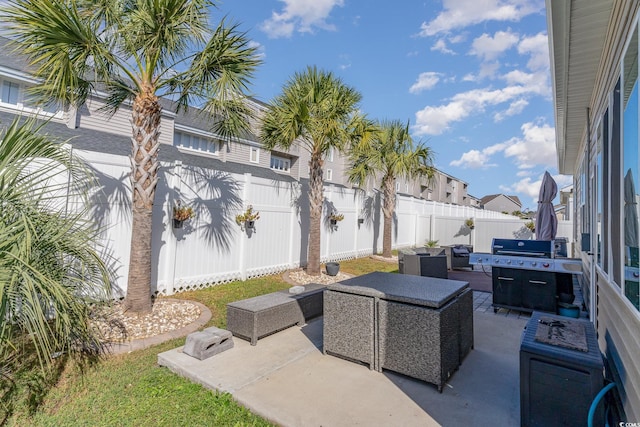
x,y
333,221
250,225
177,223
360,220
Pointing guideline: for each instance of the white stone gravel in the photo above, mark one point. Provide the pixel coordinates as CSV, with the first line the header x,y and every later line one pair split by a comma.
x,y
302,278
166,316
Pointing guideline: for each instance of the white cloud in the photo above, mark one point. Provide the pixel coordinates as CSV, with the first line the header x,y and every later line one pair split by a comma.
x,y
473,159
524,186
489,48
469,78
346,61
300,15
434,120
441,46
425,82
462,13
538,48
260,50
531,188
515,108
488,70
536,147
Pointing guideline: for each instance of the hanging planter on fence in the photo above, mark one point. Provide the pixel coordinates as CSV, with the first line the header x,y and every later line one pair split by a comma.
x,y
247,220
181,214
334,218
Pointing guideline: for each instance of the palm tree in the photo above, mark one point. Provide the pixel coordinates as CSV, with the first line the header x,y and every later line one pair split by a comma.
x,y
318,111
50,271
137,50
390,153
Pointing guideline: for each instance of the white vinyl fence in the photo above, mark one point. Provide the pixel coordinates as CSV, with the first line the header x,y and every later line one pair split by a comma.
x,y
212,248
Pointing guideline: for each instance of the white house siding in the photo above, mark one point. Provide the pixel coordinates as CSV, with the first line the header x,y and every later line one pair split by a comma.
x,y
588,45
239,153
502,204
619,339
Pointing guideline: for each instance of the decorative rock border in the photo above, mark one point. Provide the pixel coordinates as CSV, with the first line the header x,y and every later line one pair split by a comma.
x,y
142,343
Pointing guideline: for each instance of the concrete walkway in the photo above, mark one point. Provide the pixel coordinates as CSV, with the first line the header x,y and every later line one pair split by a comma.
x,y
287,379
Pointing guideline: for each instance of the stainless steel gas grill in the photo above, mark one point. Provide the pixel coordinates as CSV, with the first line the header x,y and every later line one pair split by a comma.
x,y
528,274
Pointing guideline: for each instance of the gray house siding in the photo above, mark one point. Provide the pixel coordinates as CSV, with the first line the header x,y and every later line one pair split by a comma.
x,y
588,41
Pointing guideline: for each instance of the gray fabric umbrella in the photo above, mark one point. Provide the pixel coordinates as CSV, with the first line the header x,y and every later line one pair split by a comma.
x,y
546,220
630,211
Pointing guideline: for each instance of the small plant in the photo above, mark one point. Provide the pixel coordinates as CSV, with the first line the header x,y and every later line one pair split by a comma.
x,y
431,243
469,223
531,226
182,213
248,216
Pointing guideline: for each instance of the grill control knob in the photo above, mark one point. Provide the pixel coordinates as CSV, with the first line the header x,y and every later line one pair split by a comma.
x,y
533,264
508,261
545,264
521,262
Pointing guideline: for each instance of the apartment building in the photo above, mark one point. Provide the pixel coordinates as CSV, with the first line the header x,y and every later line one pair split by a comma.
x,y
187,137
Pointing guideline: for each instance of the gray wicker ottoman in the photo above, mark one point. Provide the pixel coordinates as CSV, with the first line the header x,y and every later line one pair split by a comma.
x,y
257,317
419,342
348,327
464,303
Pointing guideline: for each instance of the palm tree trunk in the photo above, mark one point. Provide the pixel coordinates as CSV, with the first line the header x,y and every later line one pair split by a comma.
x,y
145,123
388,207
315,214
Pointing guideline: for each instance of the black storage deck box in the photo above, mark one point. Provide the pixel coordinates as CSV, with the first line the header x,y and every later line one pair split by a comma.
x,y
558,384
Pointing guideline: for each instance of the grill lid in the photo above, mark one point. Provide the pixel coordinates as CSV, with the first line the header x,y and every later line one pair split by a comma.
x,y
528,248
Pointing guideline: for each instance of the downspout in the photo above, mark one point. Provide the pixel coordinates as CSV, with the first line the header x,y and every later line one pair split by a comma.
x,y
590,252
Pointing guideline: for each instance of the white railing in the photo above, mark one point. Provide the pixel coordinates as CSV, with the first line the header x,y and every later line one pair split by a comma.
x,y
212,248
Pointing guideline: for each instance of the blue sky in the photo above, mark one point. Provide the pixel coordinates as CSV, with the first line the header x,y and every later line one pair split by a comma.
x,y
471,76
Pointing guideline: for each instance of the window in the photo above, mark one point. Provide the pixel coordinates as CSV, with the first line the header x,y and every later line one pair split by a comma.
x,y
254,154
10,92
280,163
631,185
16,95
329,175
195,142
330,154
397,187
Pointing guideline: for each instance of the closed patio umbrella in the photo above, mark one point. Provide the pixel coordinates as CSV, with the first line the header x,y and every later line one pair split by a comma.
x,y
630,212
546,220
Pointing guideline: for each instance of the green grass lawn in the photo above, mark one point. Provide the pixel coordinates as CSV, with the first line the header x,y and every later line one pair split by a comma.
x,y
132,390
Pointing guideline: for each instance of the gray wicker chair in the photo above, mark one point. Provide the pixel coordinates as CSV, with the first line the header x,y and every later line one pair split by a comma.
x,y
424,265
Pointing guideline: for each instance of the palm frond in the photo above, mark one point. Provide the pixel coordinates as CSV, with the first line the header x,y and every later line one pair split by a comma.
x,y
62,45
49,267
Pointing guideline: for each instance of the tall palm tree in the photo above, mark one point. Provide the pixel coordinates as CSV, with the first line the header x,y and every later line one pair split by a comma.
x,y
50,270
318,111
137,50
390,153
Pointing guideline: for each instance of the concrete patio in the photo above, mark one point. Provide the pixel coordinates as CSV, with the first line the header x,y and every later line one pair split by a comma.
x,y
287,380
